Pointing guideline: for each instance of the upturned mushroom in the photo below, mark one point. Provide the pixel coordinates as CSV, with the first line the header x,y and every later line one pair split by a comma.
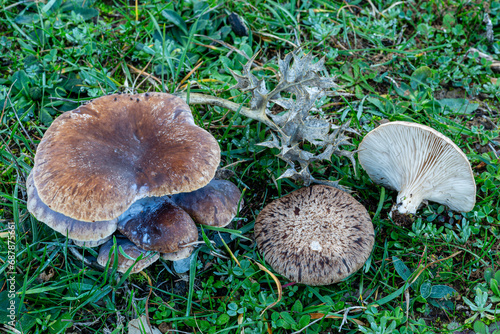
x,y
421,164
316,235
95,161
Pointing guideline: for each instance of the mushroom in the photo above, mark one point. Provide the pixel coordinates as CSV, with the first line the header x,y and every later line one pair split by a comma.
x,y
316,235
131,250
216,204
94,162
421,164
91,243
82,233
181,254
165,228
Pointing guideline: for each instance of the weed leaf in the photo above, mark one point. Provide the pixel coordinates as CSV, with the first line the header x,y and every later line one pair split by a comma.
x,y
175,19
442,291
425,290
401,268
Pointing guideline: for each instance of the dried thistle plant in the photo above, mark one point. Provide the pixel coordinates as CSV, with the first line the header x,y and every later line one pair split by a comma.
x,y
301,84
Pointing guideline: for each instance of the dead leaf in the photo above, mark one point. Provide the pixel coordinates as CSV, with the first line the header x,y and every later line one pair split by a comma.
x,y
46,277
164,327
140,326
275,279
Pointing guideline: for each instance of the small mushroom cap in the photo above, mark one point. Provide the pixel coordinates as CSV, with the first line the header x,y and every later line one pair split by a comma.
x,y
420,163
95,161
184,253
131,250
216,204
315,235
164,228
91,233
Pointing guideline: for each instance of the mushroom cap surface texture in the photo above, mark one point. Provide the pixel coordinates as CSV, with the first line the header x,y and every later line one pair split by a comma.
x,y
421,164
184,253
316,235
92,234
123,263
216,204
164,228
95,161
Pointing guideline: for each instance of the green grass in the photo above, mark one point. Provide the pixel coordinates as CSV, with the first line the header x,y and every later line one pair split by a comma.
x,y
396,61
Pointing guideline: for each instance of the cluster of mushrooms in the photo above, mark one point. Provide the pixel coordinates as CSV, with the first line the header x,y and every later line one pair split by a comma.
x,y
133,164
137,164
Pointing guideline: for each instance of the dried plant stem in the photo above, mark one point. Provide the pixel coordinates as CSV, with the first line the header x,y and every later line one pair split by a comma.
x,y
197,98
88,262
80,257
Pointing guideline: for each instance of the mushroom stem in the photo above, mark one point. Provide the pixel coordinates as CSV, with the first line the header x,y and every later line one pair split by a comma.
x,y
257,114
408,201
88,262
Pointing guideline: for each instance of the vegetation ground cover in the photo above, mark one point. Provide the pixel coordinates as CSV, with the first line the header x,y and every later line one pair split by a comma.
x,y
430,62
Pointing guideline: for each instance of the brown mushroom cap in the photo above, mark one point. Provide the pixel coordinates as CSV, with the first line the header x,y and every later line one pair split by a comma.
x,y
184,253
92,234
131,250
315,235
165,228
216,204
95,161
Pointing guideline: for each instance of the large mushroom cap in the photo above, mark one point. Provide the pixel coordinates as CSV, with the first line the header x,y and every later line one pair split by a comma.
x,y
90,234
420,163
95,161
316,235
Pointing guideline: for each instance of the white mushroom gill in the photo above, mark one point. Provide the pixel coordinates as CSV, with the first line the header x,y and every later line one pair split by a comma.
x,y
420,163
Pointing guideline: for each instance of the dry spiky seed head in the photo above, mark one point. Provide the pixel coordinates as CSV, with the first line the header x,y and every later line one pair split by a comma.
x,y
316,235
302,81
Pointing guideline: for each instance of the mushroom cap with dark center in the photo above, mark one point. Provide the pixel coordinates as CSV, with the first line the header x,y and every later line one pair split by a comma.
x,y
93,234
131,250
95,161
216,204
316,235
165,228
421,164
